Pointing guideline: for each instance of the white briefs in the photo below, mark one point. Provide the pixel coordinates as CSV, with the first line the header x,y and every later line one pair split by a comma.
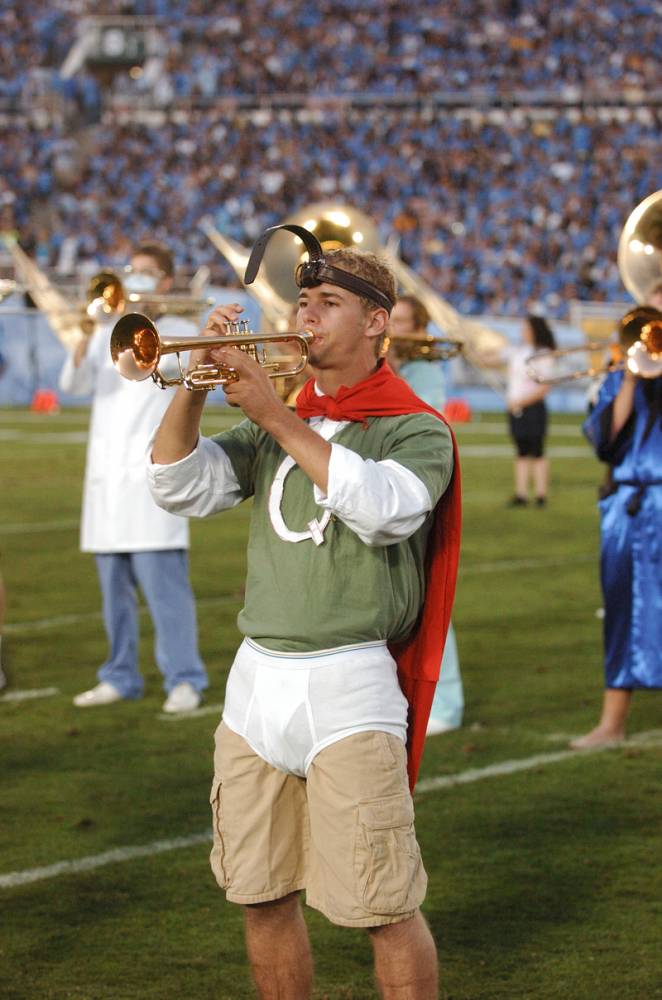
x,y
289,706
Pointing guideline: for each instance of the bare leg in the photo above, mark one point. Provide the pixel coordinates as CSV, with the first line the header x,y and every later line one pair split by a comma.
x,y
541,476
405,960
278,949
522,470
611,727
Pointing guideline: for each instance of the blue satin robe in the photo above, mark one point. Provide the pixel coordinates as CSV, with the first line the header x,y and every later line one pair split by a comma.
x,y
630,529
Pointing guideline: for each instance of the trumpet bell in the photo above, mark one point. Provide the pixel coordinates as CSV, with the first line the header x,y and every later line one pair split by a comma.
x,y
105,294
644,358
631,326
135,347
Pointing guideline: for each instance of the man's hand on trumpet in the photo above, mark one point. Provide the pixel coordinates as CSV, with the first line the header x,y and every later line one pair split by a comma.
x,y
215,324
252,390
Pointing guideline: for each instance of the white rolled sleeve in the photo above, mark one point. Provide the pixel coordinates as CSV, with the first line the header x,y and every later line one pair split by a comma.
x,y
202,483
382,502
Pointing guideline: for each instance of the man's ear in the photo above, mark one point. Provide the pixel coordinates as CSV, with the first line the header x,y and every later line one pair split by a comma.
x,y
377,321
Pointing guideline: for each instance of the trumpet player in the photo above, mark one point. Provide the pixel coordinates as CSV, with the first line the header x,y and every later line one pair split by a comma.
x,y
311,789
134,542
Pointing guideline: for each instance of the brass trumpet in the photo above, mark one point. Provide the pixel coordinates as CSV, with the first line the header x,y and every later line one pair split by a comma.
x,y
137,348
639,349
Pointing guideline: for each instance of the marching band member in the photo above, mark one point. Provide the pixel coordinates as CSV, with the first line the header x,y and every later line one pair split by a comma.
x,y
311,788
625,429
135,543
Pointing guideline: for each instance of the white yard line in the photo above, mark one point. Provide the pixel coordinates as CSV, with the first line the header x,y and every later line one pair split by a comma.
x,y
37,527
30,694
514,565
506,451
39,437
41,624
194,714
120,854
561,430
653,738
9,416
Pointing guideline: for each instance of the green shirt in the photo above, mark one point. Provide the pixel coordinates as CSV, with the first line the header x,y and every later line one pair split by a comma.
x,y
302,597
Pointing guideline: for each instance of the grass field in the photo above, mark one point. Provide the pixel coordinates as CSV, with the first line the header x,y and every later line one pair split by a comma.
x,y
544,881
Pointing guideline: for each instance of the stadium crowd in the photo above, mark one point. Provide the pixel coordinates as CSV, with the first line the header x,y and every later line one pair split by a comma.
x,y
277,46
502,210
496,210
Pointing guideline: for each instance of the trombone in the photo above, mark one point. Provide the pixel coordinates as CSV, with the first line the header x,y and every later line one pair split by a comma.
x,y
137,348
106,295
423,347
639,350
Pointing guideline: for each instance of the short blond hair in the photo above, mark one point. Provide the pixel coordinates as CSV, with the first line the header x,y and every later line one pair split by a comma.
x,y
367,265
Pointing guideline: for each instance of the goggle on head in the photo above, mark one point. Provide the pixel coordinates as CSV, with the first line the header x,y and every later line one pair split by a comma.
x,y
316,270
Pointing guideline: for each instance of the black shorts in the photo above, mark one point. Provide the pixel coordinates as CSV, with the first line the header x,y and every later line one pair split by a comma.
x,y
528,431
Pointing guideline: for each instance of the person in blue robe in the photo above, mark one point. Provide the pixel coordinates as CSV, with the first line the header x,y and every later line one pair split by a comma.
x,y
428,381
625,429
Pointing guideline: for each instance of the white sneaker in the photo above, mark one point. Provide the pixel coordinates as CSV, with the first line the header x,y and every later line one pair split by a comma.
x,y
182,698
102,694
435,726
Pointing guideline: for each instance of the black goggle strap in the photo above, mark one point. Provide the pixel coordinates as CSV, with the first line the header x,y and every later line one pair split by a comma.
x,y
310,275
315,270
311,243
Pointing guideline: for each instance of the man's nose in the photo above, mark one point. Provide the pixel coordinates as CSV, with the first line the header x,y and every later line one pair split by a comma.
x,y
308,315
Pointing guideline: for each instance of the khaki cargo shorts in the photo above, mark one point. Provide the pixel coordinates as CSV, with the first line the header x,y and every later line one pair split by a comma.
x,y
345,834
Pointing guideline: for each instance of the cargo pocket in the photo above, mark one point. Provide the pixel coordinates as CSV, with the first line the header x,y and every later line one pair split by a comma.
x,y
217,856
387,860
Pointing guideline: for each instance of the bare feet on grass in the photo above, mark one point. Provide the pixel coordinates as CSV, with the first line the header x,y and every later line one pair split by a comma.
x,y
598,737
611,727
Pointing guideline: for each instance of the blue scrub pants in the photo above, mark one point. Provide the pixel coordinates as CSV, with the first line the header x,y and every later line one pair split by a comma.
x,y
163,578
448,703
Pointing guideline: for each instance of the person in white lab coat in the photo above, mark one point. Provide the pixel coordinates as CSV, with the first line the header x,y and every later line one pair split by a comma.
x,y
136,543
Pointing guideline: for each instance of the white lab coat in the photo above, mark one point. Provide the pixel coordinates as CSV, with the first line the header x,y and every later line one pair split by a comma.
x,y
119,514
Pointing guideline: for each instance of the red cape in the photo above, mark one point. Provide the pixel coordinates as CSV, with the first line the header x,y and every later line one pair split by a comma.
x,y
383,394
